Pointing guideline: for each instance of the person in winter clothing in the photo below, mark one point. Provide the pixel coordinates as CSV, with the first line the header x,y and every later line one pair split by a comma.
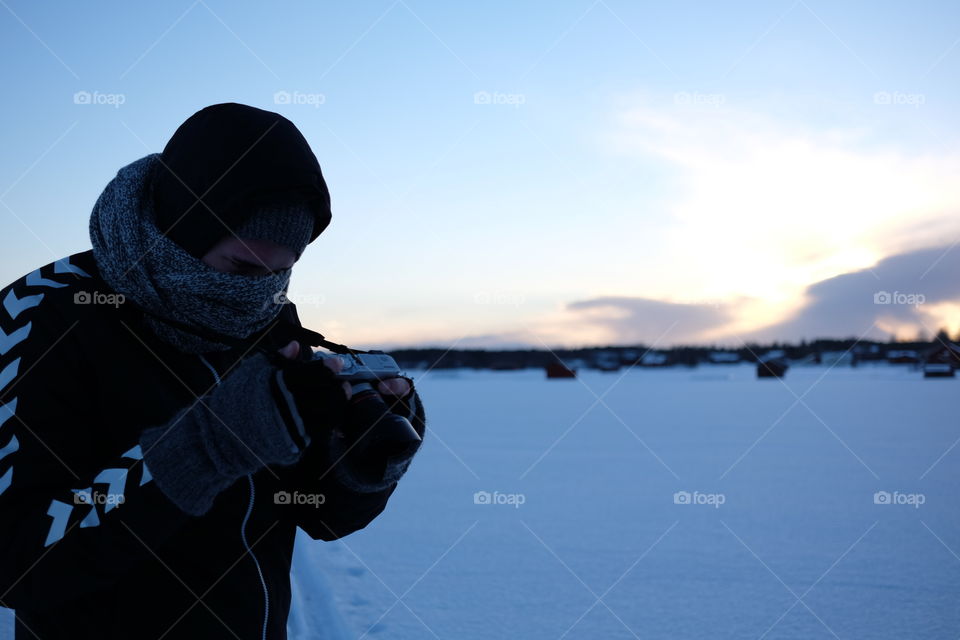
x,y
159,410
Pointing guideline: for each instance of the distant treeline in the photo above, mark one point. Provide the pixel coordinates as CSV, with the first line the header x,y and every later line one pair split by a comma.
x,y
850,349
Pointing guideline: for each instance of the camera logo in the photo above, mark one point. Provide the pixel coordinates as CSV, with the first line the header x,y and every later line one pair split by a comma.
x,y
885,297
498,297
298,97
87,496
899,98
296,498
485,497
712,499
98,297
86,97
685,98
282,297
911,499
496,97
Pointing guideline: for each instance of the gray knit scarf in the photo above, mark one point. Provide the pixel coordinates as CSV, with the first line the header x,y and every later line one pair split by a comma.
x,y
160,277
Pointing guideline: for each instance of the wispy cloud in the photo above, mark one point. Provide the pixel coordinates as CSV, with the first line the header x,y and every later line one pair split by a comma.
x,y
764,207
901,295
894,297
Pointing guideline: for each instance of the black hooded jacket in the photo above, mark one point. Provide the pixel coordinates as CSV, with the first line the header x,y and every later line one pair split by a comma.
x,y
80,378
89,546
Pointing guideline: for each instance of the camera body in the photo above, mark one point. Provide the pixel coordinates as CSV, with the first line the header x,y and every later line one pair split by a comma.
x,y
375,434
364,367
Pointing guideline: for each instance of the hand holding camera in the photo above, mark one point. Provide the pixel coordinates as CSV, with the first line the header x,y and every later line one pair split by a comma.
x,y
399,387
342,393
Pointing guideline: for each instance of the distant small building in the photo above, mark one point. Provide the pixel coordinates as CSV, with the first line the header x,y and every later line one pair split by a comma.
x,y
837,358
902,356
772,369
654,359
868,353
938,370
724,357
606,360
560,370
772,364
942,361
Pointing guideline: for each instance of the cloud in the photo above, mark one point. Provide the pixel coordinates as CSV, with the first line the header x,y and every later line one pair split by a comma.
x,y
791,227
610,320
761,207
914,292
508,340
641,320
910,293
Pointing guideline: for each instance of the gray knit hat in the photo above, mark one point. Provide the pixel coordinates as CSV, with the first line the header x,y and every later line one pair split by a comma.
x,y
289,225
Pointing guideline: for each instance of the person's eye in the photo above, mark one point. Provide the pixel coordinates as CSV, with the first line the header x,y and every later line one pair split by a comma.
x,y
242,265
249,268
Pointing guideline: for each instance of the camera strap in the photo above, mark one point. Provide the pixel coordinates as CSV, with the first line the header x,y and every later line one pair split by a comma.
x,y
315,339
301,333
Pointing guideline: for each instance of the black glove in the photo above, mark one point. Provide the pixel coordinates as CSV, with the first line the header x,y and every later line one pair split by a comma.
x,y
318,395
407,406
365,472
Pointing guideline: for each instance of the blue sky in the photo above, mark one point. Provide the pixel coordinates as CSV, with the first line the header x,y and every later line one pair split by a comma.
x,y
533,173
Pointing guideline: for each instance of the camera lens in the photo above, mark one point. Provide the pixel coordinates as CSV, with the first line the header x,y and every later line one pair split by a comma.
x,y
376,433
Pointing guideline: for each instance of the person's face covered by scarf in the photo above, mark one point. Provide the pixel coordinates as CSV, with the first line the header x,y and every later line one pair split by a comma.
x,y
234,289
245,275
205,234
243,278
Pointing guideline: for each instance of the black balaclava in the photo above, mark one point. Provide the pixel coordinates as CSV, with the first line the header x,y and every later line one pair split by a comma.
x,y
163,274
225,161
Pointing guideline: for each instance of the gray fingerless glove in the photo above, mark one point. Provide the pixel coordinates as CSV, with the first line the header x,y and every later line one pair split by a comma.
x,y
247,422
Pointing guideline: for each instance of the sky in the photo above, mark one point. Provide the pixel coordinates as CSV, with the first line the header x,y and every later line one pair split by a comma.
x,y
537,174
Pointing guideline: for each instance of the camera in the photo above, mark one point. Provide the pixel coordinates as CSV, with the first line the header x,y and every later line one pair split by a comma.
x,y
364,367
375,434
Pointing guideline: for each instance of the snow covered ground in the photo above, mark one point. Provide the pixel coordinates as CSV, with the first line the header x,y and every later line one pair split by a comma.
x,y
579,533
599,548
